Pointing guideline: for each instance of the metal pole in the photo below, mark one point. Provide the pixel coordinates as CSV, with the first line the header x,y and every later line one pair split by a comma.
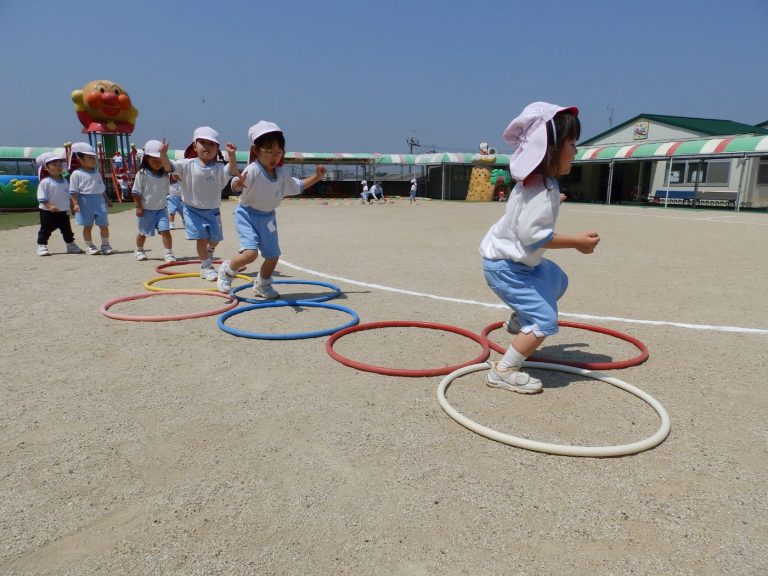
x,y
610,184
741,180
669,177
443,183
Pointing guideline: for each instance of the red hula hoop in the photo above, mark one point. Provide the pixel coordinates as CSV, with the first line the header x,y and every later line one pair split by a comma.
x,y
639,359
483,341
107,305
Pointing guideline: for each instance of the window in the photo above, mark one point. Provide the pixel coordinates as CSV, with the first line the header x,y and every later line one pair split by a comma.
x,y
762,171
676,174
692,172
697,172
718,171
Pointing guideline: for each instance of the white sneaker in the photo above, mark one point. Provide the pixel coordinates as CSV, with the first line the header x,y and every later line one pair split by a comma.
x,y
106,249
169,257
224,280
172,226
42,250
73,248
513,324
511,379
264,289
141,255
92,250
209,274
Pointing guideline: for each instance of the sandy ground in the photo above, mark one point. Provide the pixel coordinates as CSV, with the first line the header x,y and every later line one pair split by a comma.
x,y
174,448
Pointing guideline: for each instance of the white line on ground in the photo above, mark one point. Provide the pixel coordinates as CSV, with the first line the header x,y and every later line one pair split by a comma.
x,y
503,306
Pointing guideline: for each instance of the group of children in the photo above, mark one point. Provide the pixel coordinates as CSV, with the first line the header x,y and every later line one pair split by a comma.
x,y
190,187
513,264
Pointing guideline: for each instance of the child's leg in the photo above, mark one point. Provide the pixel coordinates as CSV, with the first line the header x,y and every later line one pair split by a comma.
x,y
140,239
47,226
66,228
87,235
201,245
268,268
167,240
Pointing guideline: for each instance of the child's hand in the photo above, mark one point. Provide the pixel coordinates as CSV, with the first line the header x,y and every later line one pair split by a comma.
x,y
231,148
76,208
562,198
320,170
139,211
240,183
164,148
587,242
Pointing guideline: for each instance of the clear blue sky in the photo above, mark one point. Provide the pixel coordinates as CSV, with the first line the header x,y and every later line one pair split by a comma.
x,y
357,76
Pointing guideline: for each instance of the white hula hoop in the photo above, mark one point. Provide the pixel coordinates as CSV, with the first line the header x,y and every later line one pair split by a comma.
x,y
561,449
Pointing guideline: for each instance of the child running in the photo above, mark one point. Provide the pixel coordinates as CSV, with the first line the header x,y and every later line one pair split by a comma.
x,y
545,136
150,193
89,196
204,177
54,203
175,205
264,185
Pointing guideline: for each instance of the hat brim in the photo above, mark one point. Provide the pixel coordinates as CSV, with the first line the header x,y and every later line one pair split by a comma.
x,y
527,157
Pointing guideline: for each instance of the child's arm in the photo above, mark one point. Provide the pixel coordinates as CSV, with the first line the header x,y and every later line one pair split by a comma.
x,y
74,196
107,200
584,243
232,159
139,206
164,157
312,180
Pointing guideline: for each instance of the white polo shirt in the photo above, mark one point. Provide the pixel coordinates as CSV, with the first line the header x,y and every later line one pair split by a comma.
x,y
264,193
86,182
152,189
54,191
527,225
202,182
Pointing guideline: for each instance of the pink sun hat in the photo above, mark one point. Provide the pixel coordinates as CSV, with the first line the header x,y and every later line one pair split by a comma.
x,y
528,132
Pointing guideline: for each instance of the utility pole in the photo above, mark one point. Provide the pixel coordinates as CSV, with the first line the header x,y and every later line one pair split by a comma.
x,y
413,143
610,108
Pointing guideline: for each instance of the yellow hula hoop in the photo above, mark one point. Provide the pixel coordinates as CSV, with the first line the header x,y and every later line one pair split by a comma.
x,y
149,284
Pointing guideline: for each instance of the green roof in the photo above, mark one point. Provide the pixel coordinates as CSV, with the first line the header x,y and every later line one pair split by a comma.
x,y
704,126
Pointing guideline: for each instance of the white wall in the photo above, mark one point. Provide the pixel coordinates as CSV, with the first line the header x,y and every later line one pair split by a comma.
x,y
656,131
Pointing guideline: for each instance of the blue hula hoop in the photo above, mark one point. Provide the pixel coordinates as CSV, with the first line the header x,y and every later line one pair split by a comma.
x,y
321,298
296,336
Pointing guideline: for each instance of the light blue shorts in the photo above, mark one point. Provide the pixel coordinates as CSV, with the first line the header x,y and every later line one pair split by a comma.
x,y
532,292
93,209
257,231
153,220
175,205
202,224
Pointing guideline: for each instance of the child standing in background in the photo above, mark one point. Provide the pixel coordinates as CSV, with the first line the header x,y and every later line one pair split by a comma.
x,y
412,196
545,138
204,177
54,203
150,192
89,196
175,205
264,184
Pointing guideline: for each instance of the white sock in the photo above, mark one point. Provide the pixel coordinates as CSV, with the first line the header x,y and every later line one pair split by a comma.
x,y
206,263
168,251
104,240
512,359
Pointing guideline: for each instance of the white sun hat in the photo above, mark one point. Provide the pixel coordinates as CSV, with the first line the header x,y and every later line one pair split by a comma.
x,y
528,132
46,157
260,128
152,148
205,133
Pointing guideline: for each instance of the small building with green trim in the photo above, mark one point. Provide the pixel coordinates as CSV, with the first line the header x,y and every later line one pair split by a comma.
x,y
659,159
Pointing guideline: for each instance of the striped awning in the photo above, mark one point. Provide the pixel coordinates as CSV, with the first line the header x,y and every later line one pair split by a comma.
x,y
729,145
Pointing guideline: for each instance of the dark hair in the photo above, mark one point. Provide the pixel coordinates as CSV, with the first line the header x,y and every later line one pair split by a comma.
x,y
145,166
567,127
270,138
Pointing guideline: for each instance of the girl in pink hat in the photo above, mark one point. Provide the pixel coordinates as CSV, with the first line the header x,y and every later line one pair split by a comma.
x,y
513,249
